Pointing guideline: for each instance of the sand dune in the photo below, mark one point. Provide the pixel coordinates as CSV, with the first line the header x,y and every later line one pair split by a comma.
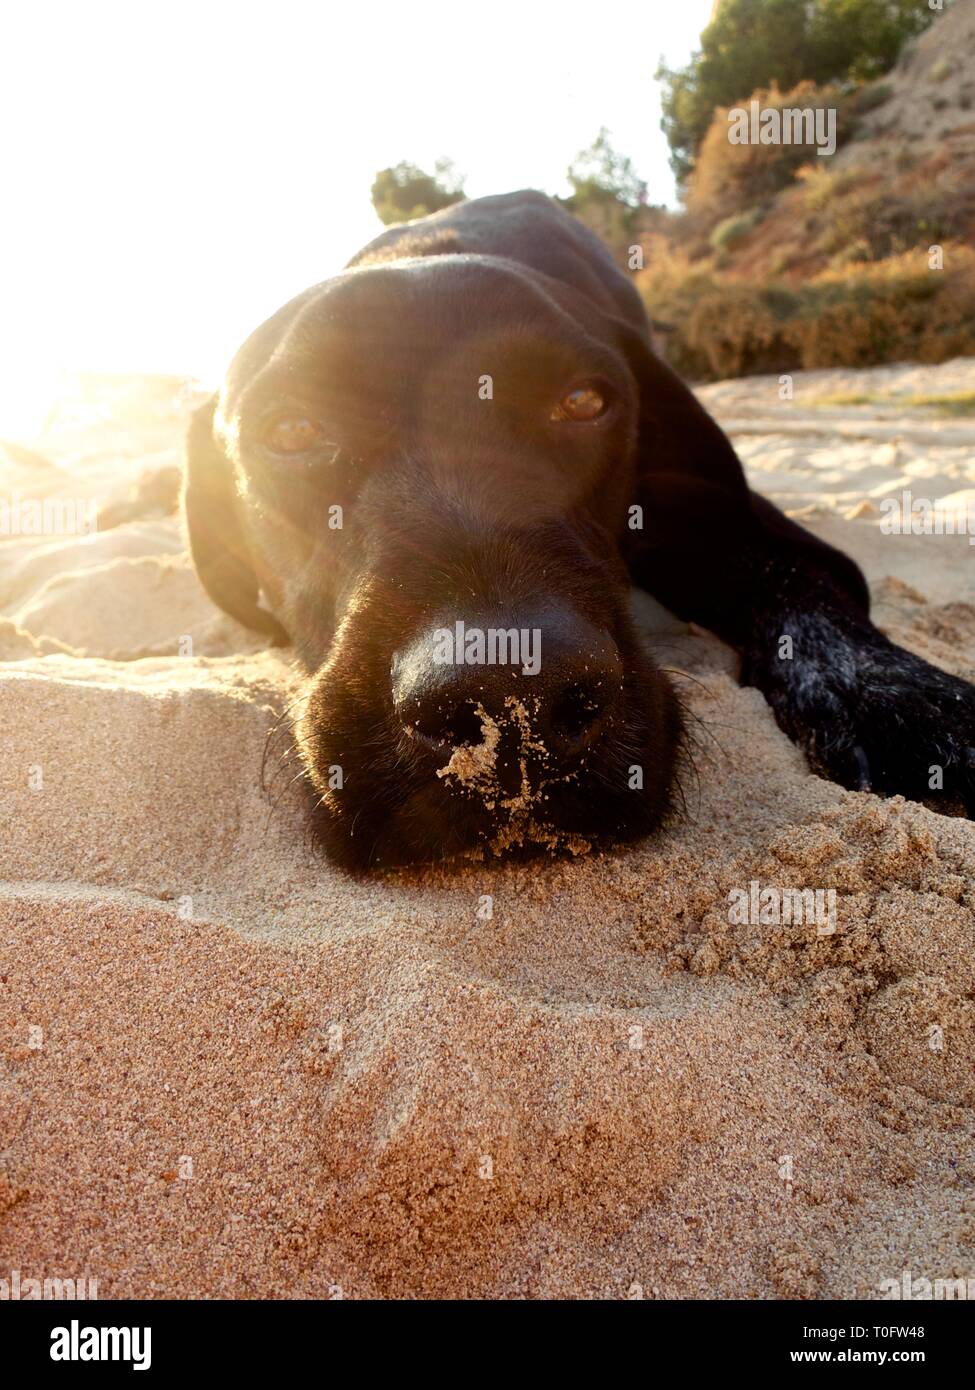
x,y
229,1070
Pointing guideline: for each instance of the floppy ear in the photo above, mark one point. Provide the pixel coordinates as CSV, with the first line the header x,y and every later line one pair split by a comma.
x,y
677,435
217,541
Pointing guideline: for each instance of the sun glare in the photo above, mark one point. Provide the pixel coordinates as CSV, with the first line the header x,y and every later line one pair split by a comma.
x,y
160,208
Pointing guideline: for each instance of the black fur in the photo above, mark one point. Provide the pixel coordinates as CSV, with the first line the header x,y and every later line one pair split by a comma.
x,y
458,507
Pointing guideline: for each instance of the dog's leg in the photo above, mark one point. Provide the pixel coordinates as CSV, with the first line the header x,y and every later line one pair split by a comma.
x,y
866,712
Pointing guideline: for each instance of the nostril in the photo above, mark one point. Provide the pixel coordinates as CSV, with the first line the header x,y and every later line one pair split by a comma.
x,y
579,706
445,721
542,718
463,725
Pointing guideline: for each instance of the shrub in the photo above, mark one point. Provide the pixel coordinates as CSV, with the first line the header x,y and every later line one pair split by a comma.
x,y
870,96
854,315
733,229
730,178
822,185
750,43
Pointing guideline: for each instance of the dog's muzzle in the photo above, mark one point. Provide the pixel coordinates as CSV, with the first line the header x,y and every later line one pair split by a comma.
x,y
535,692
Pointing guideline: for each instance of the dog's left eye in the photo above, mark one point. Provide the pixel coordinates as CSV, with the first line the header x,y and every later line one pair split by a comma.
x,y
292,434
581,405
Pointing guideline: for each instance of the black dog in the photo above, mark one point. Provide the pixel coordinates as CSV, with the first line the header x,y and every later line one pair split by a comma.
x,y
468,426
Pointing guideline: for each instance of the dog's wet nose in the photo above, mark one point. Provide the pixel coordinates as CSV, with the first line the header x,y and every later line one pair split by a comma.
x,y
548,684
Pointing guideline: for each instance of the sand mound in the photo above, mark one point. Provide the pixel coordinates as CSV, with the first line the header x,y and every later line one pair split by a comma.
x,y
129,608
229,1070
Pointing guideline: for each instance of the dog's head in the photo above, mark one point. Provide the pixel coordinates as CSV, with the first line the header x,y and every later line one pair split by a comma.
x,y
426,469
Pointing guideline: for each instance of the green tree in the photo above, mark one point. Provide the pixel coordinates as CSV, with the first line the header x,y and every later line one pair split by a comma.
x,y
600,173
607,193
752,43
405,191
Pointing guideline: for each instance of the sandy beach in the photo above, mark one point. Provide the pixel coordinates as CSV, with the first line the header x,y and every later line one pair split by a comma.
x,y
229,1070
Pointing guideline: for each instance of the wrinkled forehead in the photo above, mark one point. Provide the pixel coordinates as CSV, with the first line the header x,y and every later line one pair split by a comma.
x,y
455,319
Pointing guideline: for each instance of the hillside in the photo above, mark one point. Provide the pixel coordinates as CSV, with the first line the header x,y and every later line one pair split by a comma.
x,y
785,259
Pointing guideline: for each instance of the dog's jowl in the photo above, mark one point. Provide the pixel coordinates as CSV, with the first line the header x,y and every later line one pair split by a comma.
x,y
420,473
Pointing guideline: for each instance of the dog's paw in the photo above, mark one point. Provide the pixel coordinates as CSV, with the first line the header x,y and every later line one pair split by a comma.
x,y
869,714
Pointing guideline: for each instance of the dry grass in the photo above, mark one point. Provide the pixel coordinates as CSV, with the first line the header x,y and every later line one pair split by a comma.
x,y
729,178
785,259
784,262
854,314
950,404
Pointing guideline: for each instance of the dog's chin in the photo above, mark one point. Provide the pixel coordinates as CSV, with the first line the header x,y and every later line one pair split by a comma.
x,y
405,809
434,827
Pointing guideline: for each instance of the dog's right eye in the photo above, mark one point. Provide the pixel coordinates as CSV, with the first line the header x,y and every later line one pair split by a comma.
x,y
292,433
581,406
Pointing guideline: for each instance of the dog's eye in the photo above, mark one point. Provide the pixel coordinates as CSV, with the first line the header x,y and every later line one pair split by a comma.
x,y
292,434
583,404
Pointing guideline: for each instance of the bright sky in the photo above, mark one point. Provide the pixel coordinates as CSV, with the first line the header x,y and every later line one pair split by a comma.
x,y
171,173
